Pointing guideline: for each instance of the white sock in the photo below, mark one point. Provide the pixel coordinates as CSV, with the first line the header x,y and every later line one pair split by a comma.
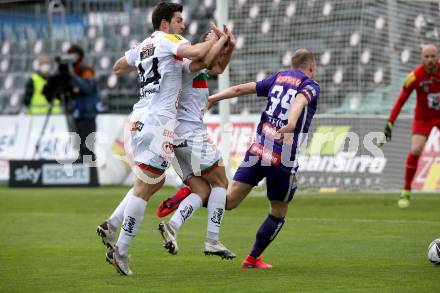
x,y
116,218
133,216
185,210
216,210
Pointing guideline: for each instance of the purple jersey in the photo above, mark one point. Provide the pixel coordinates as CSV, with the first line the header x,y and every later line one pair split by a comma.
x,y
281,89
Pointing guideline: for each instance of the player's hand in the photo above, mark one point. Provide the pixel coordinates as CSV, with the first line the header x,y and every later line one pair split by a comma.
x,y
216,30
388,129
289,128
387,132
211,37
231,38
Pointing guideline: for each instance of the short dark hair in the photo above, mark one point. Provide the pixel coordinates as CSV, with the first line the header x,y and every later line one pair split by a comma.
x,y
164,10
75,49
301,58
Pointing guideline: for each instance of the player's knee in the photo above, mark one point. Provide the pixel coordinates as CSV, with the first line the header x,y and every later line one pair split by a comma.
x,y
230,203
145,190
220,182
202,193
279,210
416,150
217,180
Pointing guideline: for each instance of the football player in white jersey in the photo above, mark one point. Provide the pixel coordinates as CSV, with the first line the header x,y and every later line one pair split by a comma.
x,y
197,160
158,60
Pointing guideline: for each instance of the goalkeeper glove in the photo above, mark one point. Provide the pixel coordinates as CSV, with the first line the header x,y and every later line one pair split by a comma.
x,y
388,129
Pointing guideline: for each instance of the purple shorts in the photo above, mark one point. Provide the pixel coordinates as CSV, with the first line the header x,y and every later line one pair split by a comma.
x,y
280,185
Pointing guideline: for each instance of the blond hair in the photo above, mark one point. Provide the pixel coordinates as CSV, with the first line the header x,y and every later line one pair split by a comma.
x,y
301,58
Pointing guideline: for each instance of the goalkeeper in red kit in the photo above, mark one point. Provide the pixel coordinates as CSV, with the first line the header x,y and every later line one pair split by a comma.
x,y
425,80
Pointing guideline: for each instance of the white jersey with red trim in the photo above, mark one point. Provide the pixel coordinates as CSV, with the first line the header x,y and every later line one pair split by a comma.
x,y
195,92
160,73
193,103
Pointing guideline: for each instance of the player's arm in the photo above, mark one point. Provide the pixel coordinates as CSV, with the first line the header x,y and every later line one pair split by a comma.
x,y
231,92
295,111
122,67
225,56
210,58
197,51
408,87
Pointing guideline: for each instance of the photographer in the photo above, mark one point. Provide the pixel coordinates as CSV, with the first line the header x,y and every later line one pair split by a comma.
x,y
85,97
35,101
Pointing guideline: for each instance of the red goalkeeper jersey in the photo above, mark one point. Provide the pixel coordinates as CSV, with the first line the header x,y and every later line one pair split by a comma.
x,y
428,95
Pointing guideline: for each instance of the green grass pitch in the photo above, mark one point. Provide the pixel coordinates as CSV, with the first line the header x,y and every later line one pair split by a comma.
x,y
329,243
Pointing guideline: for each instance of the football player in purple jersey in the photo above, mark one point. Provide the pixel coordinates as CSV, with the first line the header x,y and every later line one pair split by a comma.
x,y
292,99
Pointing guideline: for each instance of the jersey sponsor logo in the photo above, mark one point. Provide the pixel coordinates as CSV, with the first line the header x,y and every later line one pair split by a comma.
x,y
288,80
147,52
265,154
434,101
271,132
167,148
136,126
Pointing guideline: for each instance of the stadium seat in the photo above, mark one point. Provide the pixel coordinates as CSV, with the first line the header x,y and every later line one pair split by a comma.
x,y
4,65
8,82
350,104
372,103
13,102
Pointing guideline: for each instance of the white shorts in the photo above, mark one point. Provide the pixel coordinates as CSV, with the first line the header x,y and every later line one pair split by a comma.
x,y
195,156
152,141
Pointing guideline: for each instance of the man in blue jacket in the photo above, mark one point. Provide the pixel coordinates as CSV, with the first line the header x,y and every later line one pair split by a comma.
x,y
86,99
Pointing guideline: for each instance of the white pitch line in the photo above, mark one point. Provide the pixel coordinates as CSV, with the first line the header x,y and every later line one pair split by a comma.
x,y
355,220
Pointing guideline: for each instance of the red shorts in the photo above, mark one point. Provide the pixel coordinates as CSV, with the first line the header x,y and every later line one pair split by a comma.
x,y
424,127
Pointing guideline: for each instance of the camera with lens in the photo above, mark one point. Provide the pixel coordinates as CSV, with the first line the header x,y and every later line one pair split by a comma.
x,y
59,85
64,62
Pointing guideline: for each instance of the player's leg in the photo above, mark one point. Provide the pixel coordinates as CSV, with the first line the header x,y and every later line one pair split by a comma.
x,y
132,218
200,192
170,204
281,187
237,191
421,131
247,176
108,228
215,175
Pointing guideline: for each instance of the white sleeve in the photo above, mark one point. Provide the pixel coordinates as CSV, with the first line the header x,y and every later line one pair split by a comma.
x,y
131,55
170,43
185,65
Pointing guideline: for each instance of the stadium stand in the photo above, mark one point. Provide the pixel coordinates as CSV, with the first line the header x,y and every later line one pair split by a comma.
x,y
351,39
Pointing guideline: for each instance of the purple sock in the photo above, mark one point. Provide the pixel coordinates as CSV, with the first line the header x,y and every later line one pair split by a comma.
x,y
266,234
